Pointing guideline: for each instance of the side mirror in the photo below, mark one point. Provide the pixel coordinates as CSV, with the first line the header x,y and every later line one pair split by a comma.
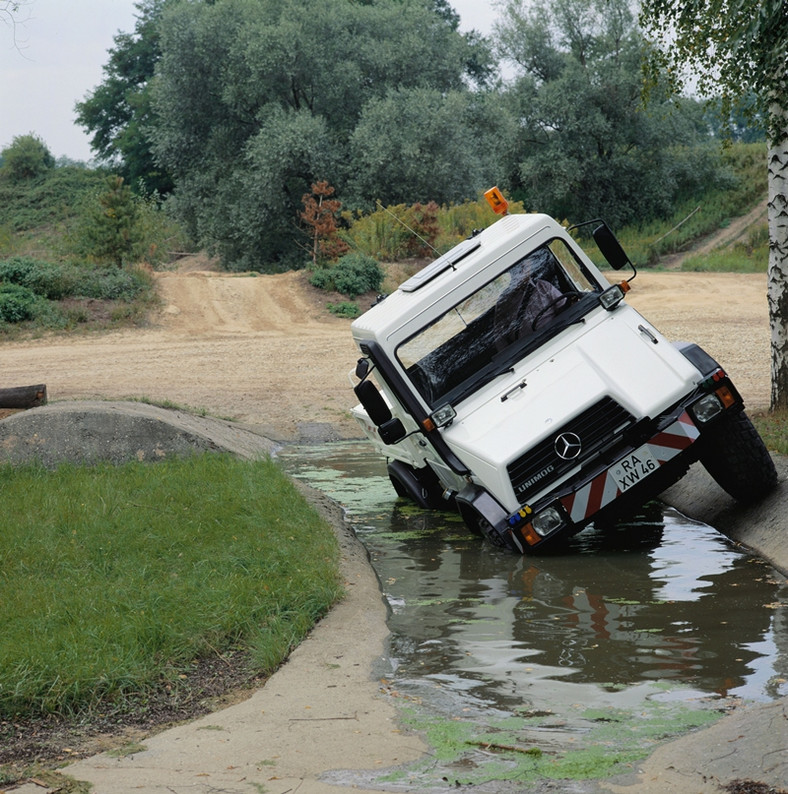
x,y
376,407
390,429
610,247
362,368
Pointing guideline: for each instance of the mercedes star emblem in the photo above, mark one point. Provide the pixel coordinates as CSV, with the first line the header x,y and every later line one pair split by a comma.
x,y
567,446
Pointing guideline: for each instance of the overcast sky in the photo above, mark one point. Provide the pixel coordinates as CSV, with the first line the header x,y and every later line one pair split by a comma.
x,y
53,57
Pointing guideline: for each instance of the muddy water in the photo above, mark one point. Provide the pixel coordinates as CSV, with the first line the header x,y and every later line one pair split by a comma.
x,y
564,666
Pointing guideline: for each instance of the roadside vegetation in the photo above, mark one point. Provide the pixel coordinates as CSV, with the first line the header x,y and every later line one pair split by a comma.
x,y
117,580
773,427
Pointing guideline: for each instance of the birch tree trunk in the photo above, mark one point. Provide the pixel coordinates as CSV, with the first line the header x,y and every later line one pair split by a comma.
x,y
778,268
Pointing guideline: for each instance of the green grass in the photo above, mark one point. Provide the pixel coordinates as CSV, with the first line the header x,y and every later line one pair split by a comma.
x,y
114,579
773,428
748,256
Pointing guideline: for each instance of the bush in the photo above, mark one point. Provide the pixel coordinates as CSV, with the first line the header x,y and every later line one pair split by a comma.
x,y
51,281
26,158
58,281
348,309
388,233
354,274
17,303
111,284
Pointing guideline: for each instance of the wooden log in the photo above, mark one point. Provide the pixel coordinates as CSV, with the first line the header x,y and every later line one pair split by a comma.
x,y
23,396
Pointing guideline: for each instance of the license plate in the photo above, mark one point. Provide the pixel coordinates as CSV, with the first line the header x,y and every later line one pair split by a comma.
x,y
633,468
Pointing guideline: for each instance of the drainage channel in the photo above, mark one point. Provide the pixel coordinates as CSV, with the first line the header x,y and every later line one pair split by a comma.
x,y
526,670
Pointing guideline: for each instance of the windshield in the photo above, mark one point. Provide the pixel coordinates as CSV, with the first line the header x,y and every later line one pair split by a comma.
x,y
519,306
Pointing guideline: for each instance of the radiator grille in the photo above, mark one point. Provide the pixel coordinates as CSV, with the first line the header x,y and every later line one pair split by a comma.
x,y
597,427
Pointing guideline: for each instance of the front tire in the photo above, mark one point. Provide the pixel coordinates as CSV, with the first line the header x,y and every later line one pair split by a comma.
x,y
734,454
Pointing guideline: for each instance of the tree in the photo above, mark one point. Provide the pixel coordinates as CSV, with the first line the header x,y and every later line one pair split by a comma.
x,y
256,100
587,146
739,48
119,113
26,158
320,217
419,144
109,226
9,9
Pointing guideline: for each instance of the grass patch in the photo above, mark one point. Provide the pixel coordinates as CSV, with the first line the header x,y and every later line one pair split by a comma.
x,y
773,428
749,256
115,579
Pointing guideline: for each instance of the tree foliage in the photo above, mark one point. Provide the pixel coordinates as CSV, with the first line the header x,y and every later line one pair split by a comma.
x,y
735,48
118,113
27,158
258,99
110,224
320,219
588,146
246,104
738,48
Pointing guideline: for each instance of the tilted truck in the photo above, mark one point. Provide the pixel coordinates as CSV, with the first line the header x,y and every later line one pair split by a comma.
x,y
510,380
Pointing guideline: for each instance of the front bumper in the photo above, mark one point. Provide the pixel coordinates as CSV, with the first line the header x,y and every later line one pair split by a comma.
x,y
638,474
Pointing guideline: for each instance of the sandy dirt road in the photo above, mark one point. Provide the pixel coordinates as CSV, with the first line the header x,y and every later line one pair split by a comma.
x,y
264,351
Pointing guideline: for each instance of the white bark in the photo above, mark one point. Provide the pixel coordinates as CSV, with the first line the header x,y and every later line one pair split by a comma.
x,y
778,268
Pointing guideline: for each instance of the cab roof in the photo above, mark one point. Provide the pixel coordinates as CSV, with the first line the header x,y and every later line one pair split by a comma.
x,y
437,282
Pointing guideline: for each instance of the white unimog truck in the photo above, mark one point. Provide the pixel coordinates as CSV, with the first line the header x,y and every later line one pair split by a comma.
x,y
509,380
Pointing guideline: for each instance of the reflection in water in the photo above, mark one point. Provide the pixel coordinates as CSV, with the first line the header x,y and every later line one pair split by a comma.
x,y
662,608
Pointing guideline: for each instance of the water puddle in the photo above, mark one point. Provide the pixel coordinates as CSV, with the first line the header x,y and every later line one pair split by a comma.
x,y
566,666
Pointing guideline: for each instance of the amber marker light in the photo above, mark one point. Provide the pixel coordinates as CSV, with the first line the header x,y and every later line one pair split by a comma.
x,y
500,206
725,396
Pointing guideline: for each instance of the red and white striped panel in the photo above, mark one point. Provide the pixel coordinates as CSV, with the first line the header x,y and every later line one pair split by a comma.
x,y
603,489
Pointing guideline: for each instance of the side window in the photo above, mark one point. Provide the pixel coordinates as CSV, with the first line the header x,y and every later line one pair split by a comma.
x,y
581,281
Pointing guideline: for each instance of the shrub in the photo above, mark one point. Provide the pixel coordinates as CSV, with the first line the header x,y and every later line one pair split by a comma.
x,y
58,281
354,274
347,309
388,233
111,284
17,303
26,158
44,278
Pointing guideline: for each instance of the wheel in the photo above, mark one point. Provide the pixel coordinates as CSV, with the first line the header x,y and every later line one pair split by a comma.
x,y
421,486
734,454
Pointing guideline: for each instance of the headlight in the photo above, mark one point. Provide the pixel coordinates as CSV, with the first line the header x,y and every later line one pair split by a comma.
x,y
444,416
612,296
707,408
547,521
